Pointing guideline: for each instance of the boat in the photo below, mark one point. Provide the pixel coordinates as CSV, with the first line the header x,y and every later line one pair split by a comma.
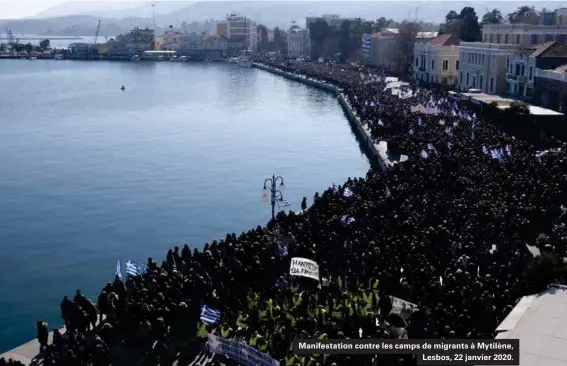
x,y
58,57
183,58
174,59
232,60
33,58
244,62
135,58
160,58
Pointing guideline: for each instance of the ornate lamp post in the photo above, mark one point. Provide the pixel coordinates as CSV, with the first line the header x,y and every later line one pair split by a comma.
x,y
273,192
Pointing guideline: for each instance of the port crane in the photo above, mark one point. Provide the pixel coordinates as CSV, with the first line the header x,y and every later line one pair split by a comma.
x,y
92,46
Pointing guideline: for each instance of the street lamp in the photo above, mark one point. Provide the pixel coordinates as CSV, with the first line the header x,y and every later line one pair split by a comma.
x,y
273,192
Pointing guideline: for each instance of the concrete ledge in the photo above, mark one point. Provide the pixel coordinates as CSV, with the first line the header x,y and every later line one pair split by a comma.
x,y
373,151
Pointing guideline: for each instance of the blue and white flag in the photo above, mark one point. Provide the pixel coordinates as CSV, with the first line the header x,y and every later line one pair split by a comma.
x,y
345,220
430,147
282,251
424,154
209,315
134,269
348,192
118,271
335,188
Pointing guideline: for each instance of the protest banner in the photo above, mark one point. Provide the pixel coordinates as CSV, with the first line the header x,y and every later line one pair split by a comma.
x,y
304,267
402,307
239,352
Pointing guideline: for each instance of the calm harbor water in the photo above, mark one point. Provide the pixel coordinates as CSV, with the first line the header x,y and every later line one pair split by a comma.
x,y
90,174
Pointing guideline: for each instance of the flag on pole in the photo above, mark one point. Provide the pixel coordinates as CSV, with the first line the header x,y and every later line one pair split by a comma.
x,y
118,270
348,193
134,269
210,315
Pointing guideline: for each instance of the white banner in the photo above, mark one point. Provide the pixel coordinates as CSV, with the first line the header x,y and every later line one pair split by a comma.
x,y
240,352
402,307
304,267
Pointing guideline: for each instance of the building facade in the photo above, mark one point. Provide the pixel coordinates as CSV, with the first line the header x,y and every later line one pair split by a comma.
x,y
522,65
483,66
239,31
523,34
133,43
298,42
437,61
384,46
551,88
171,40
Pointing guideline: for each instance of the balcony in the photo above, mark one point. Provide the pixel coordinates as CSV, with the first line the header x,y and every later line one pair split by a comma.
x,y
512,77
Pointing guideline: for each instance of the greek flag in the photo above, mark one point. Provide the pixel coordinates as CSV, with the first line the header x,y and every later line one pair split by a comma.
x,y
209,315
134,269
118,270
365,44
348,192
335,188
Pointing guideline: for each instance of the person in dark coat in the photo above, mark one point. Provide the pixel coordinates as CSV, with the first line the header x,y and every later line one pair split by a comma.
x,y
42,334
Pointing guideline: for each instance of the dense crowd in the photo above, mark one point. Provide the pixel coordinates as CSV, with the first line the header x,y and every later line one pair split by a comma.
x,y
447,230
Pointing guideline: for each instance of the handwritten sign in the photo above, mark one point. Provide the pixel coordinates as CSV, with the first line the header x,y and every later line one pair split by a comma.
x,y
304,267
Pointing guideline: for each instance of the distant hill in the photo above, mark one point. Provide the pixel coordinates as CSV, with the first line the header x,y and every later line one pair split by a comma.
x,y
119,18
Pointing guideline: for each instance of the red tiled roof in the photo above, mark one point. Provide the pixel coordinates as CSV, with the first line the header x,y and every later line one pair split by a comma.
x,y
446,40
552,49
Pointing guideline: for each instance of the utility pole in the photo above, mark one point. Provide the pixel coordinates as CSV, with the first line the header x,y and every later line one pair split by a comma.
x,y
154,17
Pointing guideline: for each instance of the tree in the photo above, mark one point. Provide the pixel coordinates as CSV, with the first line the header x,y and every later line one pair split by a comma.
x,y
383,23
452,24
368,27
44,45
280,41
492,17
519,108
262,30
405,41
319,32
28,48
469,30
524,15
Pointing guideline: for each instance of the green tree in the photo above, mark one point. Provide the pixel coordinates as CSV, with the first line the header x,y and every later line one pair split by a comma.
x,y
492,17
524,15
319,32
368,27
469,26
519,108
383,23
405,41
28,48
452,24
280,41
44,45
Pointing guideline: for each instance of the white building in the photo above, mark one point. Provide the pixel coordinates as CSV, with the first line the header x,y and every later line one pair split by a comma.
x,y
483,66
240,32
171,40
298,42
190,43
437,61
332,20
523,34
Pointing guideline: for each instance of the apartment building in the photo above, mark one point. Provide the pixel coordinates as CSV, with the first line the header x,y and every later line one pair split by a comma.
x,y
523,63
298,42
171,40
240,32
437,61
133,43
524,34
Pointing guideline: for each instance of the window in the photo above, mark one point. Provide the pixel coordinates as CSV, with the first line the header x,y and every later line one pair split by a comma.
x,y
416,62
432,64
491,84
517,38
493,60
498,38
491,40
484,37
460,76
562,38
470,58
533,39
474,82
506,38
457,65
548,37
531,72
523,70
445,65
480,82
467,78
517,69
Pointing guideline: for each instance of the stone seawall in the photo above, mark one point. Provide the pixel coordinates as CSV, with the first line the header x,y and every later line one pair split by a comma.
x,y
373,151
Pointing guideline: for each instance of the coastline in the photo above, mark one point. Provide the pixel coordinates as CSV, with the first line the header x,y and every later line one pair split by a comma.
x,y
376,152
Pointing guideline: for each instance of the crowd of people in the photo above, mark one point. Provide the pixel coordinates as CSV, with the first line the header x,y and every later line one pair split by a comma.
x,y
447,229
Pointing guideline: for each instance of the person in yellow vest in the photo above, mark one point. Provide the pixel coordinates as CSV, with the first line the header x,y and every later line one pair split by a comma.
x,y
242,320
263,315
291,359
297,299
226,331
253,339
202,330
337,311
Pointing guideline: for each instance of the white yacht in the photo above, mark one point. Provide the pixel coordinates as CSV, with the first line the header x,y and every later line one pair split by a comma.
x,y
232,60
244,62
